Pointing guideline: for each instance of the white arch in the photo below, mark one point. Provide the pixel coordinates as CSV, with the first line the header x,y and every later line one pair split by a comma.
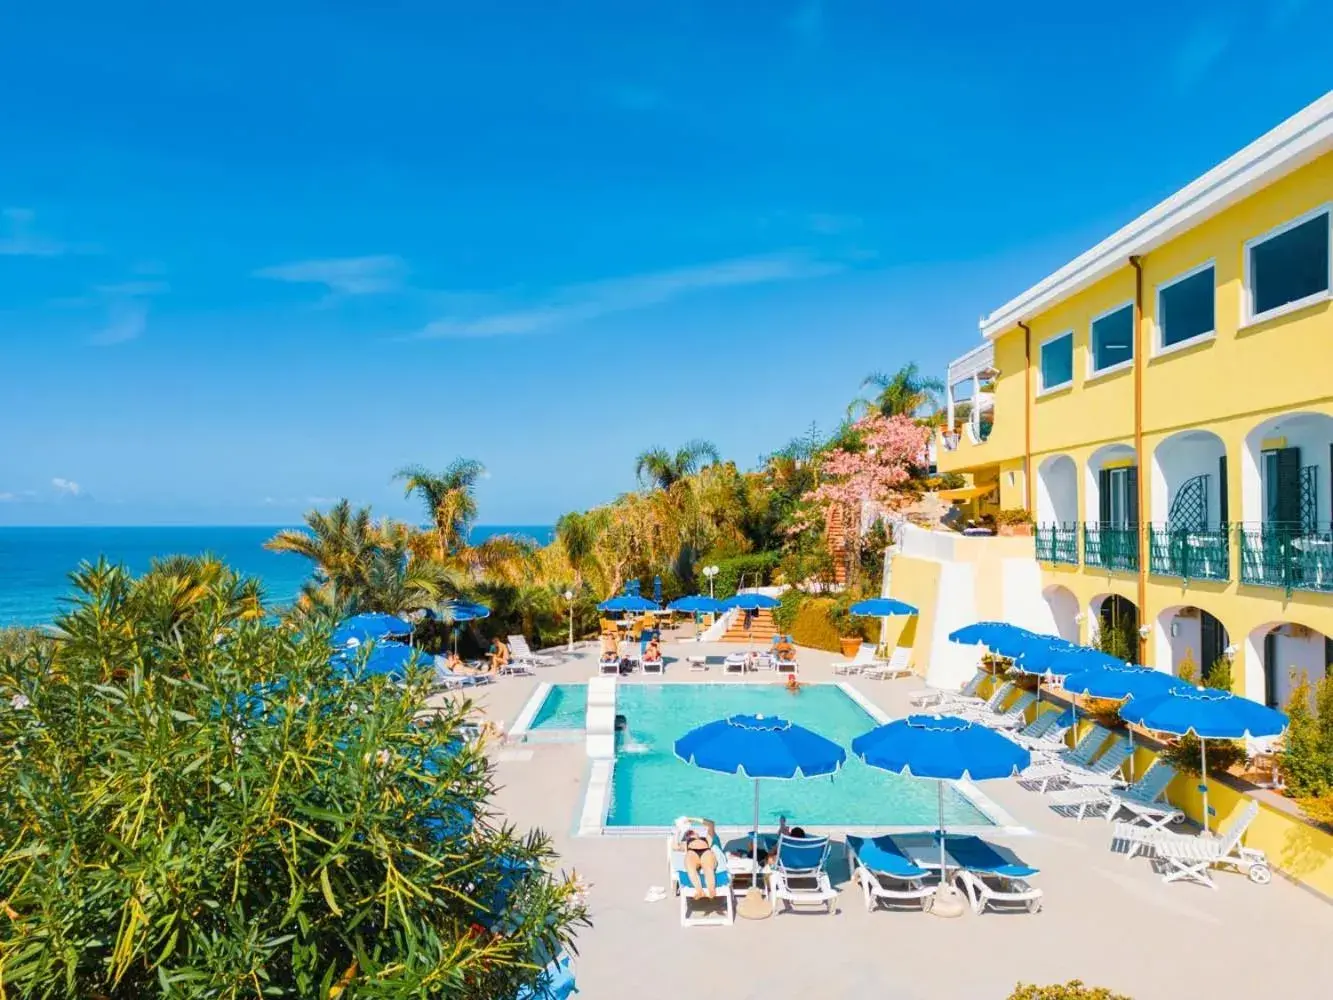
x,y
1064,610
1312,433
1297,647
1094,613
1092,491
1170,651
1179,459
1057,490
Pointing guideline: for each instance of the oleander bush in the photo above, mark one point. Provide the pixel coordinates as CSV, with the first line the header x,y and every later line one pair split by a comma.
x,y
198,804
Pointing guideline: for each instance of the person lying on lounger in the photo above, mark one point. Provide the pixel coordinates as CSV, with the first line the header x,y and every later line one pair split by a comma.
x,y
700,861
784,650
610,647
653,651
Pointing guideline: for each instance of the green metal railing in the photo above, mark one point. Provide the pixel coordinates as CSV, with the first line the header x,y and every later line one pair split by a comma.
x,y
1057,543
1111,547
1188,554
1290,556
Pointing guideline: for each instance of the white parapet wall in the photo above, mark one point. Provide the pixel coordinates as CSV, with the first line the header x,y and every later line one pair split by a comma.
x,y
600,726
1023,601
597,802
951,665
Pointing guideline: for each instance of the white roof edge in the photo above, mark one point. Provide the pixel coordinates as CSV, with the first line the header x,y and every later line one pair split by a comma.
x,y
1300,139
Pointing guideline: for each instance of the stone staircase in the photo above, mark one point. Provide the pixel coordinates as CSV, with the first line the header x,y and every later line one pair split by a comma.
x,y
762,628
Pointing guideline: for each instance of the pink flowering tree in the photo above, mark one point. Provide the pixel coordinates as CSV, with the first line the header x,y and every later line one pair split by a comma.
x,y
872,466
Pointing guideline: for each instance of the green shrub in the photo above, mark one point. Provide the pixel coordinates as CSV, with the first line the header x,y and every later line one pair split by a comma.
x,y
1013,515
1072,990
1307,755
813,625
756,568
198,804
784,615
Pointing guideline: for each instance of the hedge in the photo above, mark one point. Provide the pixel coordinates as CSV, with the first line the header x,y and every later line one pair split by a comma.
x,y
757,568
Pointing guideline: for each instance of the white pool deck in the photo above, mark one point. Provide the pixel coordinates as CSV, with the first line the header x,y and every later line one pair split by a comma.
x,y
1107,920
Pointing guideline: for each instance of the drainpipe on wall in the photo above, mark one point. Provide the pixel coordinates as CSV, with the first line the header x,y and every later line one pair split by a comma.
x,y
1142,479
1027,418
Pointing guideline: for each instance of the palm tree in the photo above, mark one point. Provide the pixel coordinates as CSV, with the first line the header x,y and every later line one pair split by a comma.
x,y
660,469
449,498
577,536
904,393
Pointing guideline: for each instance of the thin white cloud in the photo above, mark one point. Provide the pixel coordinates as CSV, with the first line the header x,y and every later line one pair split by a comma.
x,y
66,487
20,239
127,322
591,300
8,497
341,276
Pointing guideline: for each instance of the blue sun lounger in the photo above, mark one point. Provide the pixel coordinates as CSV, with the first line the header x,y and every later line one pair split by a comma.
x,y
885,875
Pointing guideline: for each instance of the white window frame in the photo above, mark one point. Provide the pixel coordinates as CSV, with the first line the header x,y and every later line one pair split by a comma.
x,y
1159,331
1248,316
1041,375
1119,366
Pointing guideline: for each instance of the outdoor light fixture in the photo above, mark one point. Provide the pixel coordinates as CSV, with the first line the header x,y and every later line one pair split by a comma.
x,y
569,596
710,572
1145,631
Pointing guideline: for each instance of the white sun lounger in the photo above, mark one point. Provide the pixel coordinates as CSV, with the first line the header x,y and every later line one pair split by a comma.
x,y
865,657
990,706
799,876
1044,773
609,664
1189,858
657,666
886,875
1011,718
899,664
681,886
1141,799
991,879
520,650
1049,737
966,695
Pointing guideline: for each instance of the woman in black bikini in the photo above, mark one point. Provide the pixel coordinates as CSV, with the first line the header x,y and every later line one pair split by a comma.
x,y
700,861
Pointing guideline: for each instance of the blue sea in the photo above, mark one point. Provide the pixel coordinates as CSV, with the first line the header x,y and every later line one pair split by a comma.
x,y
35,563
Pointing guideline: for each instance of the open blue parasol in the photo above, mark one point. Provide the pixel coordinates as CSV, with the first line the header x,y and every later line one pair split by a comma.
x,y
369,626
627,602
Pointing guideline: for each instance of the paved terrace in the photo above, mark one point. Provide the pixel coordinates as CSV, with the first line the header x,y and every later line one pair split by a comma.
x,y
1106,919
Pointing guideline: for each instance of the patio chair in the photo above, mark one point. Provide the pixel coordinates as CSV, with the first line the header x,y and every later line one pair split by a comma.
x,y
1190,858
1011,718
885,875
1043,773
1045,733
734,663
447,679
1141,795
1104,770
966,695
520,650
1145,800
899,664
991,706
609,664
657,666
682,887
516,668
992,880
799,877
865,657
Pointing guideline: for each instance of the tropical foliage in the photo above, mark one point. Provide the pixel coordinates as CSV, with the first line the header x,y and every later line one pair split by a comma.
x,y
198,804
1307,752
905,393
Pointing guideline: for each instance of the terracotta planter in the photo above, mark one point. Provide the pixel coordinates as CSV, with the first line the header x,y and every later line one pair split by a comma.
x,y
1015,530
849,645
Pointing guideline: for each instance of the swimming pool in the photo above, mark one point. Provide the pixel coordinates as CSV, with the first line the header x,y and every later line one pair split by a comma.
x,y
651,787
565,707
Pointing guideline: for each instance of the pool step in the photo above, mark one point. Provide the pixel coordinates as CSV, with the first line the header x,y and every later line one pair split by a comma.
x,y
601,719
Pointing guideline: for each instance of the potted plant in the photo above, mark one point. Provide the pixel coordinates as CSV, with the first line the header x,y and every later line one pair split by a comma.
x,y
850,634
1014,521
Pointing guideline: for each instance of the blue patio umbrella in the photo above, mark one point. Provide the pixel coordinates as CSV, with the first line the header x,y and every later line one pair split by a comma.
x,y
368,626
1116,681
758,746
694,605
942,747
881,607
463,611
999,637
750,602
390,659
1207,713
627,602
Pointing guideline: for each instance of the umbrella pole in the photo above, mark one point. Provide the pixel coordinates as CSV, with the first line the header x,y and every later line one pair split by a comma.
x,y
944,869
946,902
753,906
754,836
1203,776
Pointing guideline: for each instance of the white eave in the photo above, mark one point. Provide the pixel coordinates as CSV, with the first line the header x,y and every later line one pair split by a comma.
x,y
1303,137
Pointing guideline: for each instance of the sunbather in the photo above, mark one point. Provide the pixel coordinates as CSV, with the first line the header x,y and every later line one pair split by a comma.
x,y
784,650
610,646
700,861
498,654
653,651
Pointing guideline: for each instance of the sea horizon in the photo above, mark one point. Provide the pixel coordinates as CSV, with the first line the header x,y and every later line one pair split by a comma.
x,y
35,561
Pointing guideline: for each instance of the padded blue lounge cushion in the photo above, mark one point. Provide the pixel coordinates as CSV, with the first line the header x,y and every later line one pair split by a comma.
x,y
721,875
881,855
976,855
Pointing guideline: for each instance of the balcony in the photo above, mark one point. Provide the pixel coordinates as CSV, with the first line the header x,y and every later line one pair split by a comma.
x,y
1189,554
1289,556
1111,547
1057,543
969,420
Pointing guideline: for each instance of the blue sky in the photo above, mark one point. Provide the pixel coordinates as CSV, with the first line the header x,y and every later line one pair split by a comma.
x,y
257,256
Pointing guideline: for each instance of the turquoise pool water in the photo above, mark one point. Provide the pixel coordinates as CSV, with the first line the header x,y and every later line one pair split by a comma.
x,y
565,707
651,787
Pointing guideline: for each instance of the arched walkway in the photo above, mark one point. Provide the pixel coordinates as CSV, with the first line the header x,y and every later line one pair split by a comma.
x,y
1064,611
1057,490
1189,481
1189,638
1277,653
1115,625
1285,472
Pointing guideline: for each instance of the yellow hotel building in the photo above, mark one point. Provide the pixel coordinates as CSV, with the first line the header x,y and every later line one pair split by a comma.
x,y
1163,406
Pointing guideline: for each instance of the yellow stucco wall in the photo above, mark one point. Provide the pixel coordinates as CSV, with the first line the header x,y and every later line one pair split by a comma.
x,y
916,581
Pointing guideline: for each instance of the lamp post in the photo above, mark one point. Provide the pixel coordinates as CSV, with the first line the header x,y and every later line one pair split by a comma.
x,y
710,572
569,596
